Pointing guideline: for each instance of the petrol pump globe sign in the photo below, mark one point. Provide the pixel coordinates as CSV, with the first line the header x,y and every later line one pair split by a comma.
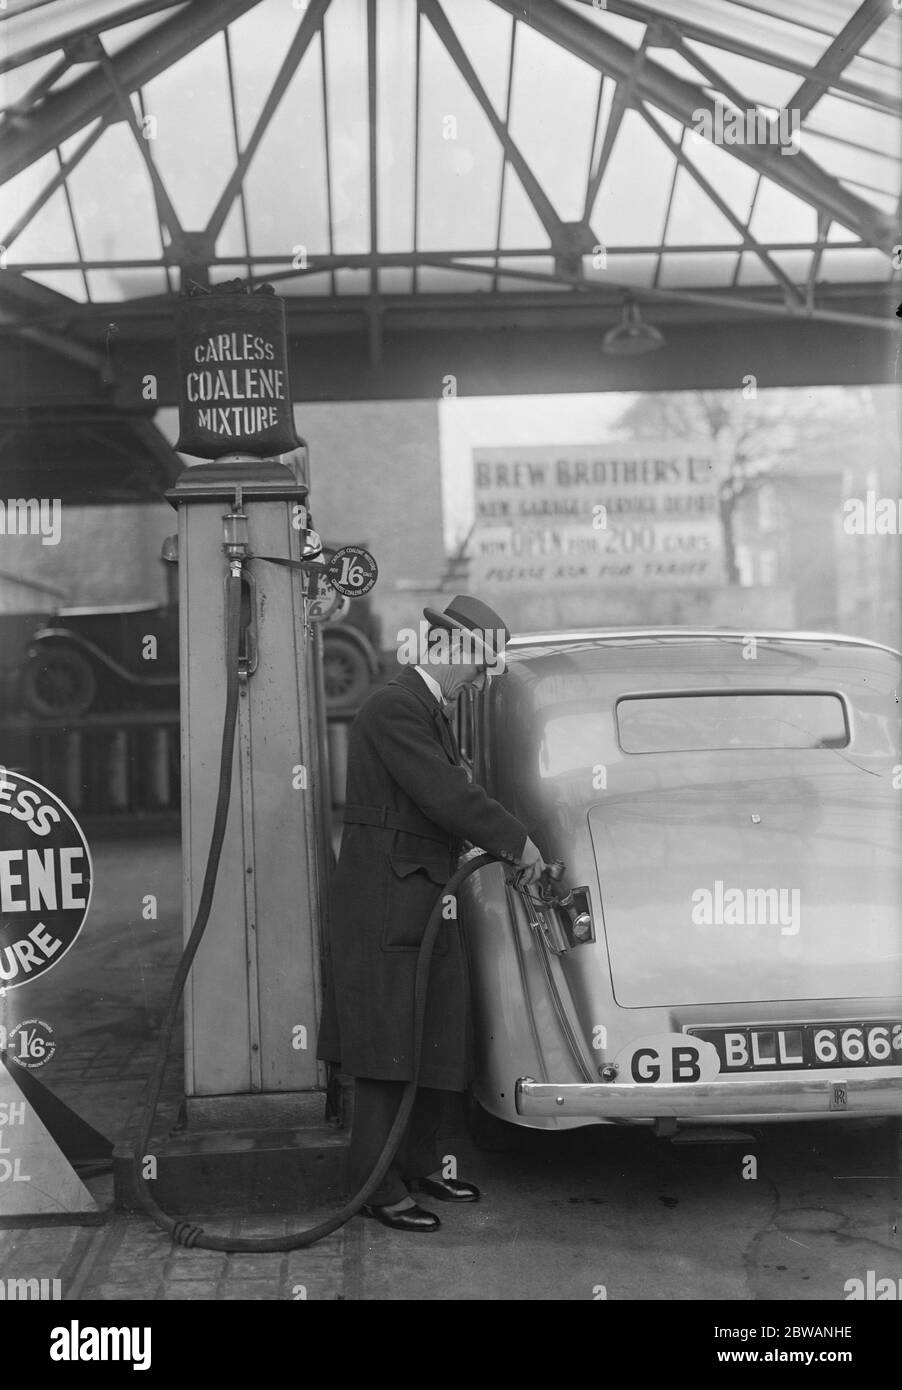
x,y
45,879
352,571
234,392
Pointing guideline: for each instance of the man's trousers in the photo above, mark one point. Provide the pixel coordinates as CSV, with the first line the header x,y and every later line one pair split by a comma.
x,y
375,1107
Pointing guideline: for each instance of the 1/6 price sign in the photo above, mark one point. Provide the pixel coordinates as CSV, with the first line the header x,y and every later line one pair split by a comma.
x,y
31,1043
352,571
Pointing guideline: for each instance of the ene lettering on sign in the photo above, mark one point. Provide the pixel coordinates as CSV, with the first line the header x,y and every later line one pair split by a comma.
x,y
45,889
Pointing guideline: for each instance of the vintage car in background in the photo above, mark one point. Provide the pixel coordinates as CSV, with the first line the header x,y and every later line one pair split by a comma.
x,y
729,810
87,659
92,658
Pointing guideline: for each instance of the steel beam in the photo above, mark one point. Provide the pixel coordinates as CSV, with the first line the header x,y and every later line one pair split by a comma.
x,y
236,144
16,290
851,38
384,260
65,347
729,43
865,306
66,112
623,98
545,354
715,78
121,15
659,263
327,150
374,316
798,173
823,230
166,212
23,104
73,223
418,58
507,120
168,460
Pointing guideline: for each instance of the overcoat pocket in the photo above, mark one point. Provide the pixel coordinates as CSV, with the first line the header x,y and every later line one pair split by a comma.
x,y
414,884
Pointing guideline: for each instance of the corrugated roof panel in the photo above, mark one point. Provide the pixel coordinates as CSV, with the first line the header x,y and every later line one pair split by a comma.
x,y
553,119
187,129
285,190
632,202
868,166
485,34
121,227
555,137
396,53
884,47
781,216
259,41
48,236
734,181
856,124
694,217
460,163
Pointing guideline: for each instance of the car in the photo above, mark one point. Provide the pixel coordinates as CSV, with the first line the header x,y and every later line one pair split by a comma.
x,y
112,657
101,657
728,809
16,630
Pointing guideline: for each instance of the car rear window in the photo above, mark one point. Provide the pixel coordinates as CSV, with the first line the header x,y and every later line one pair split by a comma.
x,y
687,723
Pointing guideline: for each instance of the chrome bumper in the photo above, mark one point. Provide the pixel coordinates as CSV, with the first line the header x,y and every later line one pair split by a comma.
x,y
830,1092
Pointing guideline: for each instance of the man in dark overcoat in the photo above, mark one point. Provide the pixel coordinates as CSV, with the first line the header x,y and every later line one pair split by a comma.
x,y
411,805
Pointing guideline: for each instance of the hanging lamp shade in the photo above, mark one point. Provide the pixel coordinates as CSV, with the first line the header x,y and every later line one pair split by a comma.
x,y
632,335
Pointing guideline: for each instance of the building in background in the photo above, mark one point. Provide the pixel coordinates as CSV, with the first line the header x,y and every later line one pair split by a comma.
x,y
401,476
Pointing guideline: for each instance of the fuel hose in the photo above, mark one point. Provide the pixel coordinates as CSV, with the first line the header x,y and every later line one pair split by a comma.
x,y
182,1229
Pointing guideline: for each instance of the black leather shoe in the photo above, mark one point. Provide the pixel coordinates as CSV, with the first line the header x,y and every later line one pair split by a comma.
x,y
447,1189
408,1219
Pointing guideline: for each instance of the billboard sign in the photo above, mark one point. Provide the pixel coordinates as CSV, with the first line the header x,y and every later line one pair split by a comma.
x,y
572,516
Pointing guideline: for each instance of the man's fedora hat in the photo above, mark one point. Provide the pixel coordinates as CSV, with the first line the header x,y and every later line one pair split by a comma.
x,y
470,613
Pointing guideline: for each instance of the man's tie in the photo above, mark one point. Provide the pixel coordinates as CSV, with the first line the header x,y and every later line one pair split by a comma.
x,y
447,714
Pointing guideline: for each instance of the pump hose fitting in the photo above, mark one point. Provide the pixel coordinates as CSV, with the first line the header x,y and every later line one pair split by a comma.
x,y
184,1231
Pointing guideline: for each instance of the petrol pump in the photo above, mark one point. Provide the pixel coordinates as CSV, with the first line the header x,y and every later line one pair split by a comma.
x,y
252,994
252,1000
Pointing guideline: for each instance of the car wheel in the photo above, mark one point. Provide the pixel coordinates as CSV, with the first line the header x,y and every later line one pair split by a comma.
x,y
493,1135
346,673
57,683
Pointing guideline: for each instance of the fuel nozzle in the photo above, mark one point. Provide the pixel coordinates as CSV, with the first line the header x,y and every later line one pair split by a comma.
x,y
555,890
554,886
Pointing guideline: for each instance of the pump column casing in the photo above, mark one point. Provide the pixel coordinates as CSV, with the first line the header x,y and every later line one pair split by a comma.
x,y
252,1000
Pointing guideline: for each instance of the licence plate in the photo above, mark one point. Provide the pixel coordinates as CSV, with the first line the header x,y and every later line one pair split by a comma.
x,y
805,1046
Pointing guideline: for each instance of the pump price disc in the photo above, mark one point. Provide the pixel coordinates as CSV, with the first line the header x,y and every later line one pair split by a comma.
x,y
45,879
352,571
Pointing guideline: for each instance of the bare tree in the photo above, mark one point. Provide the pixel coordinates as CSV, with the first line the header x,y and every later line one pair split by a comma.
x,y
757,435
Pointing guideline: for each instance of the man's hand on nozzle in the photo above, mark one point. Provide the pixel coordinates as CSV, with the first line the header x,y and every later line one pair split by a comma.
x,y
530,865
